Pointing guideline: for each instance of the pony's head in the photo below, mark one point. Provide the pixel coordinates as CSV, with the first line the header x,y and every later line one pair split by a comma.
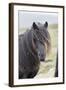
x,y
41,39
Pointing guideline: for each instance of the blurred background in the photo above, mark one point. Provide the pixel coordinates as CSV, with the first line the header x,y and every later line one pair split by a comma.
x,y
25,20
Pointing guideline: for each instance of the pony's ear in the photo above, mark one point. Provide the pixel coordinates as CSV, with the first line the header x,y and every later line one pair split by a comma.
x,y
35,26
46,24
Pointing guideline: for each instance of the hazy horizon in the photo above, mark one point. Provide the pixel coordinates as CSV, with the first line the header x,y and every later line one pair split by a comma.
x,y
26,18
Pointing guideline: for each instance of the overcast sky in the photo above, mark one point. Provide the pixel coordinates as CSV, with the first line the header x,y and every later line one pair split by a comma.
x,y
27,18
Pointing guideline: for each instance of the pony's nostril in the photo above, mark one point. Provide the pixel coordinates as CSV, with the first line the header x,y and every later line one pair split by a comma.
x,y
41,55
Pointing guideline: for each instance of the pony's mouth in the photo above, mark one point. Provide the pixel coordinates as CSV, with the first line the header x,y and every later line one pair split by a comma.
x,y
42,59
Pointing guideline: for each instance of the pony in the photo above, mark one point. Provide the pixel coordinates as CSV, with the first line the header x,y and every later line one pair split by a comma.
x,y
33,47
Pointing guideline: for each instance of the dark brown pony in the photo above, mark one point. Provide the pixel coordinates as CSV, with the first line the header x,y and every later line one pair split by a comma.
x,y
33,47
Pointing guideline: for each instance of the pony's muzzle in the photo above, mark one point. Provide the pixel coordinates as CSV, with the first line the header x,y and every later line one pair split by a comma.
x,y
41,56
